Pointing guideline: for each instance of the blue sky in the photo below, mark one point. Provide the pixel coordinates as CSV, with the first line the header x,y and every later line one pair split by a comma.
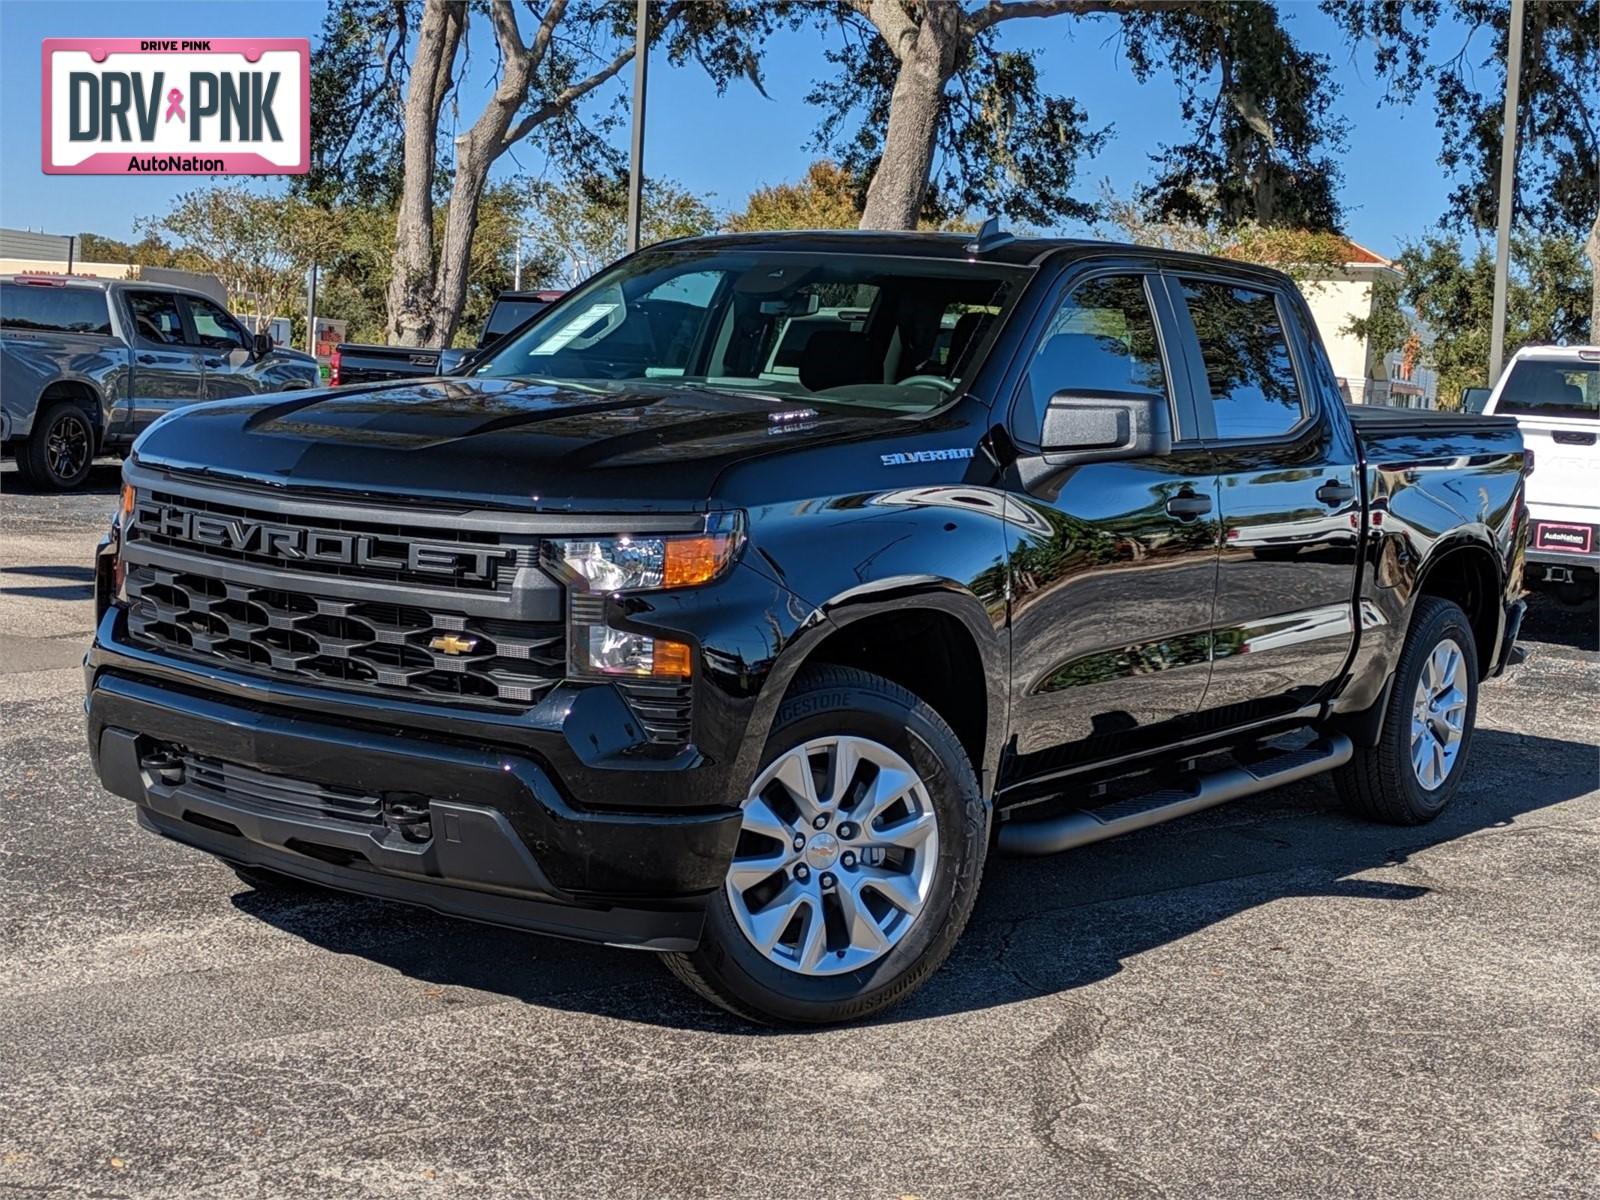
x,y
724,146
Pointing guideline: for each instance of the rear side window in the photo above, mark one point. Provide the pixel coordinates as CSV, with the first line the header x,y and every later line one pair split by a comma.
x,y
155,316
50,308
1101,339
1551,389
1249,373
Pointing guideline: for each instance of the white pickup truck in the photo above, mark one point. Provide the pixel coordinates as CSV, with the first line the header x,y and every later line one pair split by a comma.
x,y
1554,394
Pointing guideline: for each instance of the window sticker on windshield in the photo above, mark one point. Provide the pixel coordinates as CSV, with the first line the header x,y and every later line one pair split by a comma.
x,y
574,327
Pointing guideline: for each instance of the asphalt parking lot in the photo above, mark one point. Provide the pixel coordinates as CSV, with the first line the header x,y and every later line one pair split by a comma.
x,y
1267,999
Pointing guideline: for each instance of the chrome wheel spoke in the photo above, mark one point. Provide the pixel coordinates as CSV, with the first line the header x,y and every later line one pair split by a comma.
x,y
759,818
767,926
794,773
889,786
860,925
901,890
745,873
907,834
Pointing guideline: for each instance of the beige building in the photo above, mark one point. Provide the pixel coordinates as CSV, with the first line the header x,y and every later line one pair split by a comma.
x,y
25,253
1338,295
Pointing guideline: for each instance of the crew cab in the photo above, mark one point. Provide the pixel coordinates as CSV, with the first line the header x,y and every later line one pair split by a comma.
x,y
86,364
649,632
1553,392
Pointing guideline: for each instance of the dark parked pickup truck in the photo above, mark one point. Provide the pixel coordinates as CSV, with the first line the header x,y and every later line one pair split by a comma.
x,y
740,605
86,364
356,362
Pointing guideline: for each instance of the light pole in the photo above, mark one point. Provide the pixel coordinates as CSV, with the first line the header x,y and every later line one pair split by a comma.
x,y
1508,175
641,60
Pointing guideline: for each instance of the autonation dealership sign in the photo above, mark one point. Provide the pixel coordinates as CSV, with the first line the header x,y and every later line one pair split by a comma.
x,y
208,106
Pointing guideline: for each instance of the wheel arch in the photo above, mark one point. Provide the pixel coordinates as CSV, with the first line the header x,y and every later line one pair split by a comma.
x,y
929,635
77,391
1466,571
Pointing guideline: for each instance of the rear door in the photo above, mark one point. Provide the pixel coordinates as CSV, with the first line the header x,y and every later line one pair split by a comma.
x,y
166,365
1288,493
1112,564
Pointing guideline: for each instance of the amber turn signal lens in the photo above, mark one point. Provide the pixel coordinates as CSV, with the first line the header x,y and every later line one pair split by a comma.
x,y
671,659
695,560
127,500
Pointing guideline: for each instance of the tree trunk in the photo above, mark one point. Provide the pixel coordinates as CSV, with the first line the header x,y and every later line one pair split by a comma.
x,y
410,298
476,151
1592,250
927,54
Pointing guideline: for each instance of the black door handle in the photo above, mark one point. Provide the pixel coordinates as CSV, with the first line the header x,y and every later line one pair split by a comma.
x,y
213,362
1186,506
148,358
1334,492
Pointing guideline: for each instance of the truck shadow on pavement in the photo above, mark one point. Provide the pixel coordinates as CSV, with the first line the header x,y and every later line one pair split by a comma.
x,y
1042,926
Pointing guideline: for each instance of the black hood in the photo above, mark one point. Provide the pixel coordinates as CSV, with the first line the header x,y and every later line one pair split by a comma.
x,y
500,442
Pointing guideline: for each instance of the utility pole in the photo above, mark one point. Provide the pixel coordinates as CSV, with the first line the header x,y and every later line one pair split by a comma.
x,y
641,60
1508,175
516,275
311,310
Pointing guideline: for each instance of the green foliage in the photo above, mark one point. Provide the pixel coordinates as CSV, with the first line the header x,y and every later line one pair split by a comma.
x,y
1260,112
1558,109
1451,289
259,245
1386,327
149,251
829,197
1004,144
580,225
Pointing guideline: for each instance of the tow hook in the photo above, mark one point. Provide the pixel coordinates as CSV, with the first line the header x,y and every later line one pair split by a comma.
x,y
408,815
163,764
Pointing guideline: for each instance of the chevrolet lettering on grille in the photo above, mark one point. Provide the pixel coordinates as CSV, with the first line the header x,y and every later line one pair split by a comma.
x,y
296,543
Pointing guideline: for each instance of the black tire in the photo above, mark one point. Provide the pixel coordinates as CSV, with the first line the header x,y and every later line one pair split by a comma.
x,y
727,970
1379,782
59,453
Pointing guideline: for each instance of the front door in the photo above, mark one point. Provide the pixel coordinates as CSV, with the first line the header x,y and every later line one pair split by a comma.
x,y
166,368
1112,564
1289,497
224,348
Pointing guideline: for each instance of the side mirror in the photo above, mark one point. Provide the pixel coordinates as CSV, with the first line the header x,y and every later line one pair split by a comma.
x,y
1098,427
261,347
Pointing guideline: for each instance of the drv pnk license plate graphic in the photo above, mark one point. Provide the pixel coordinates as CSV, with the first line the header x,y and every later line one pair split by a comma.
x,y
176,106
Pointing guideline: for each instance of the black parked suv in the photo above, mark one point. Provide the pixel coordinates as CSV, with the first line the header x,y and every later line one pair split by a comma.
x,y
741,603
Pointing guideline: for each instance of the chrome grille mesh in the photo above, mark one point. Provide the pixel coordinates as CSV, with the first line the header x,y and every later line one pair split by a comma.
x,y
342,643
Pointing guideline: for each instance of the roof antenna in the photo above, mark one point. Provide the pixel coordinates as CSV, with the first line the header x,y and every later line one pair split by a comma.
x,y
990,237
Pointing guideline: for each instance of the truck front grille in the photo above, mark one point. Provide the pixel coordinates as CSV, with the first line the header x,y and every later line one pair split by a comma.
x,y
297,634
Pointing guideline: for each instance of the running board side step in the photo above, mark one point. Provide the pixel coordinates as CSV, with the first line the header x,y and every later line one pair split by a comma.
x,y
1082,826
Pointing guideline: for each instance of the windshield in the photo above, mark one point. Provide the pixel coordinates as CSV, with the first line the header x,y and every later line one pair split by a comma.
x,y
857,329
1552,388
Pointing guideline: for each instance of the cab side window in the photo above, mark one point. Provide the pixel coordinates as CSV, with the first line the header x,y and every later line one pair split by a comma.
x,y
214,328
1101,339
155,317
1250,376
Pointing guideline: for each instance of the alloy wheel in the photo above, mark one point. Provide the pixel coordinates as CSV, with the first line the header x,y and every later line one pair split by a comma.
x,y
66,447
836,856
1439,714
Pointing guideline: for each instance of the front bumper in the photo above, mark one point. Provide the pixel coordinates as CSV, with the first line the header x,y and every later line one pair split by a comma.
x,y
502,845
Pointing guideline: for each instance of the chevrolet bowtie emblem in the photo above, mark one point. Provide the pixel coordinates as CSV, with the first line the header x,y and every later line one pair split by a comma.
x,y
451,644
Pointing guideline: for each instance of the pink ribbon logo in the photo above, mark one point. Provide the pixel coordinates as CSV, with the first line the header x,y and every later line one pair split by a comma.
x,y
175,105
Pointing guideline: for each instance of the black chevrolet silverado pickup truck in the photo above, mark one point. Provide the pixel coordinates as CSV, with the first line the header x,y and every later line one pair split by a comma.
x,y
742,604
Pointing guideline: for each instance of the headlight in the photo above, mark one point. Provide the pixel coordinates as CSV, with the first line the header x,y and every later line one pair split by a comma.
x,y
626,563
632,564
